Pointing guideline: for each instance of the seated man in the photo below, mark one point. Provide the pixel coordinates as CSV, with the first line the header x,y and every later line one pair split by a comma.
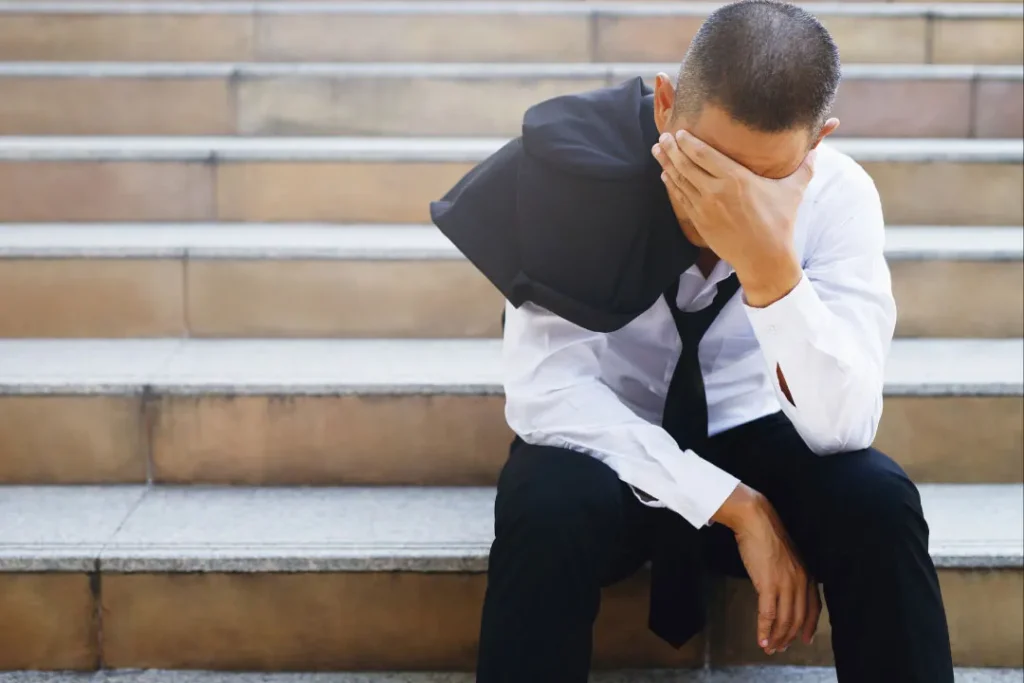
x,y
732,423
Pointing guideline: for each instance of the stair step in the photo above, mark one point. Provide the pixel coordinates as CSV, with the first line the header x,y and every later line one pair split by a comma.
x,y
750,674
353,180
398,411
297,578
917,367
136,529
428,149
398,242
462,70
266,280
474,31
85,98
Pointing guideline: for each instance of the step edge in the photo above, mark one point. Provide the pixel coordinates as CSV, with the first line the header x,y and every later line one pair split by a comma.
x,y
458,71
591,9
182,367
733,674
397,243
430,149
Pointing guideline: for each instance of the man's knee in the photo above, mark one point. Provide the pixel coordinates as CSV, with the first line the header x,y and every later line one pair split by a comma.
x,y
873,498
557,501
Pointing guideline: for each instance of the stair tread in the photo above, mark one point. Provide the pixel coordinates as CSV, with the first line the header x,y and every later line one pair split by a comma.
x,y
459,70
427,149
922,367
393,242
299,529
875,9
751,674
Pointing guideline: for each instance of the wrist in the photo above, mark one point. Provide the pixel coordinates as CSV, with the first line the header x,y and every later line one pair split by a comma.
x,y
771,278
740,509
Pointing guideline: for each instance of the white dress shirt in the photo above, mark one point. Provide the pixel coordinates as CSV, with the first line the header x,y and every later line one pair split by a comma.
x,y
603,394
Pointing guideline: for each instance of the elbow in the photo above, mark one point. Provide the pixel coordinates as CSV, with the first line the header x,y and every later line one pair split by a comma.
x,y
841,420
528,431
537,418
850,426
856,439
517,416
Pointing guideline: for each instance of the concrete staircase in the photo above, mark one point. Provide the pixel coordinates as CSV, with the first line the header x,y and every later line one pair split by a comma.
x,y
249,411
356,578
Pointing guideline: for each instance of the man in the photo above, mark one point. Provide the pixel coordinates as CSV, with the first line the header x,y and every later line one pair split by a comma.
x,y
620,461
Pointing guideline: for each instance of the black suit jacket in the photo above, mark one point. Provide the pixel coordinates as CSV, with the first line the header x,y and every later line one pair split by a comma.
x,y
572,215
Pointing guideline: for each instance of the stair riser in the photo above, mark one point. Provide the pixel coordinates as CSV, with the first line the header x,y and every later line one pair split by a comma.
x,y
93,298
578,36
397,440
49,622
353,621
482,106
984,627
936,193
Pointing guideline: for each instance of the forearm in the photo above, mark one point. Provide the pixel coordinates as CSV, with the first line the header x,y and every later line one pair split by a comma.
x,y
589,418
554,396
828,375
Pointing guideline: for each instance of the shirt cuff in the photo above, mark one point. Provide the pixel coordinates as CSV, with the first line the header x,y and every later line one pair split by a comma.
x,y
701,488
791,317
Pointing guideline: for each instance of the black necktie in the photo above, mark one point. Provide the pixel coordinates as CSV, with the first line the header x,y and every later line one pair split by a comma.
x,y
686,407
678,607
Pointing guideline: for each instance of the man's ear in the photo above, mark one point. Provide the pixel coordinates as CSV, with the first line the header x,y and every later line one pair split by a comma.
x,y
664,102
827,129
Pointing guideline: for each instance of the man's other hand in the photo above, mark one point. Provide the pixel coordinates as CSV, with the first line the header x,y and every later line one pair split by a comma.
x,y
788,603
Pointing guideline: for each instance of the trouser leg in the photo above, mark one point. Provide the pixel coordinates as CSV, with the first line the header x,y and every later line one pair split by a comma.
x,y
564,527
857,520
880,584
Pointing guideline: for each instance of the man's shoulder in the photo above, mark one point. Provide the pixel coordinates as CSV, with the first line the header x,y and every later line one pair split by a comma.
x,y
839,180
840,192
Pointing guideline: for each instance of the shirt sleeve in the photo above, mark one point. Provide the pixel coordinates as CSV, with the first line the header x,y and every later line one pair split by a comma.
x,y
831,335
555,397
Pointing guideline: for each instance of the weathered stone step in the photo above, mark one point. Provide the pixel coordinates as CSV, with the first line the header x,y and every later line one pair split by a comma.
x,y
301,579
225,280
405,412
748,674
113,98
924,181
941,33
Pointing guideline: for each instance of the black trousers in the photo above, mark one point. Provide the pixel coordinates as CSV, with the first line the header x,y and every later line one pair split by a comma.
x,y
566,526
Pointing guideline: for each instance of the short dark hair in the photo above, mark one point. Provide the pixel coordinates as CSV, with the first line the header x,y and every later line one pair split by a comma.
x,y
771,65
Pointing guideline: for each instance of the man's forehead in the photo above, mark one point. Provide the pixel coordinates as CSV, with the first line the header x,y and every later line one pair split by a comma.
x,y
772,155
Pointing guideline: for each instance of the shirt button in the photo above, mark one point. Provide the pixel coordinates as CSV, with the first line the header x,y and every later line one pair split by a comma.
x,y
772,329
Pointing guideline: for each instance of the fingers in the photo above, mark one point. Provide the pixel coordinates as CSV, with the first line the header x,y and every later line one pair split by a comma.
x,y
783,619
679,165
704,156
669,169
799,613
679,188
681,200
682,190
767,602
682,163
798,608
813,612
